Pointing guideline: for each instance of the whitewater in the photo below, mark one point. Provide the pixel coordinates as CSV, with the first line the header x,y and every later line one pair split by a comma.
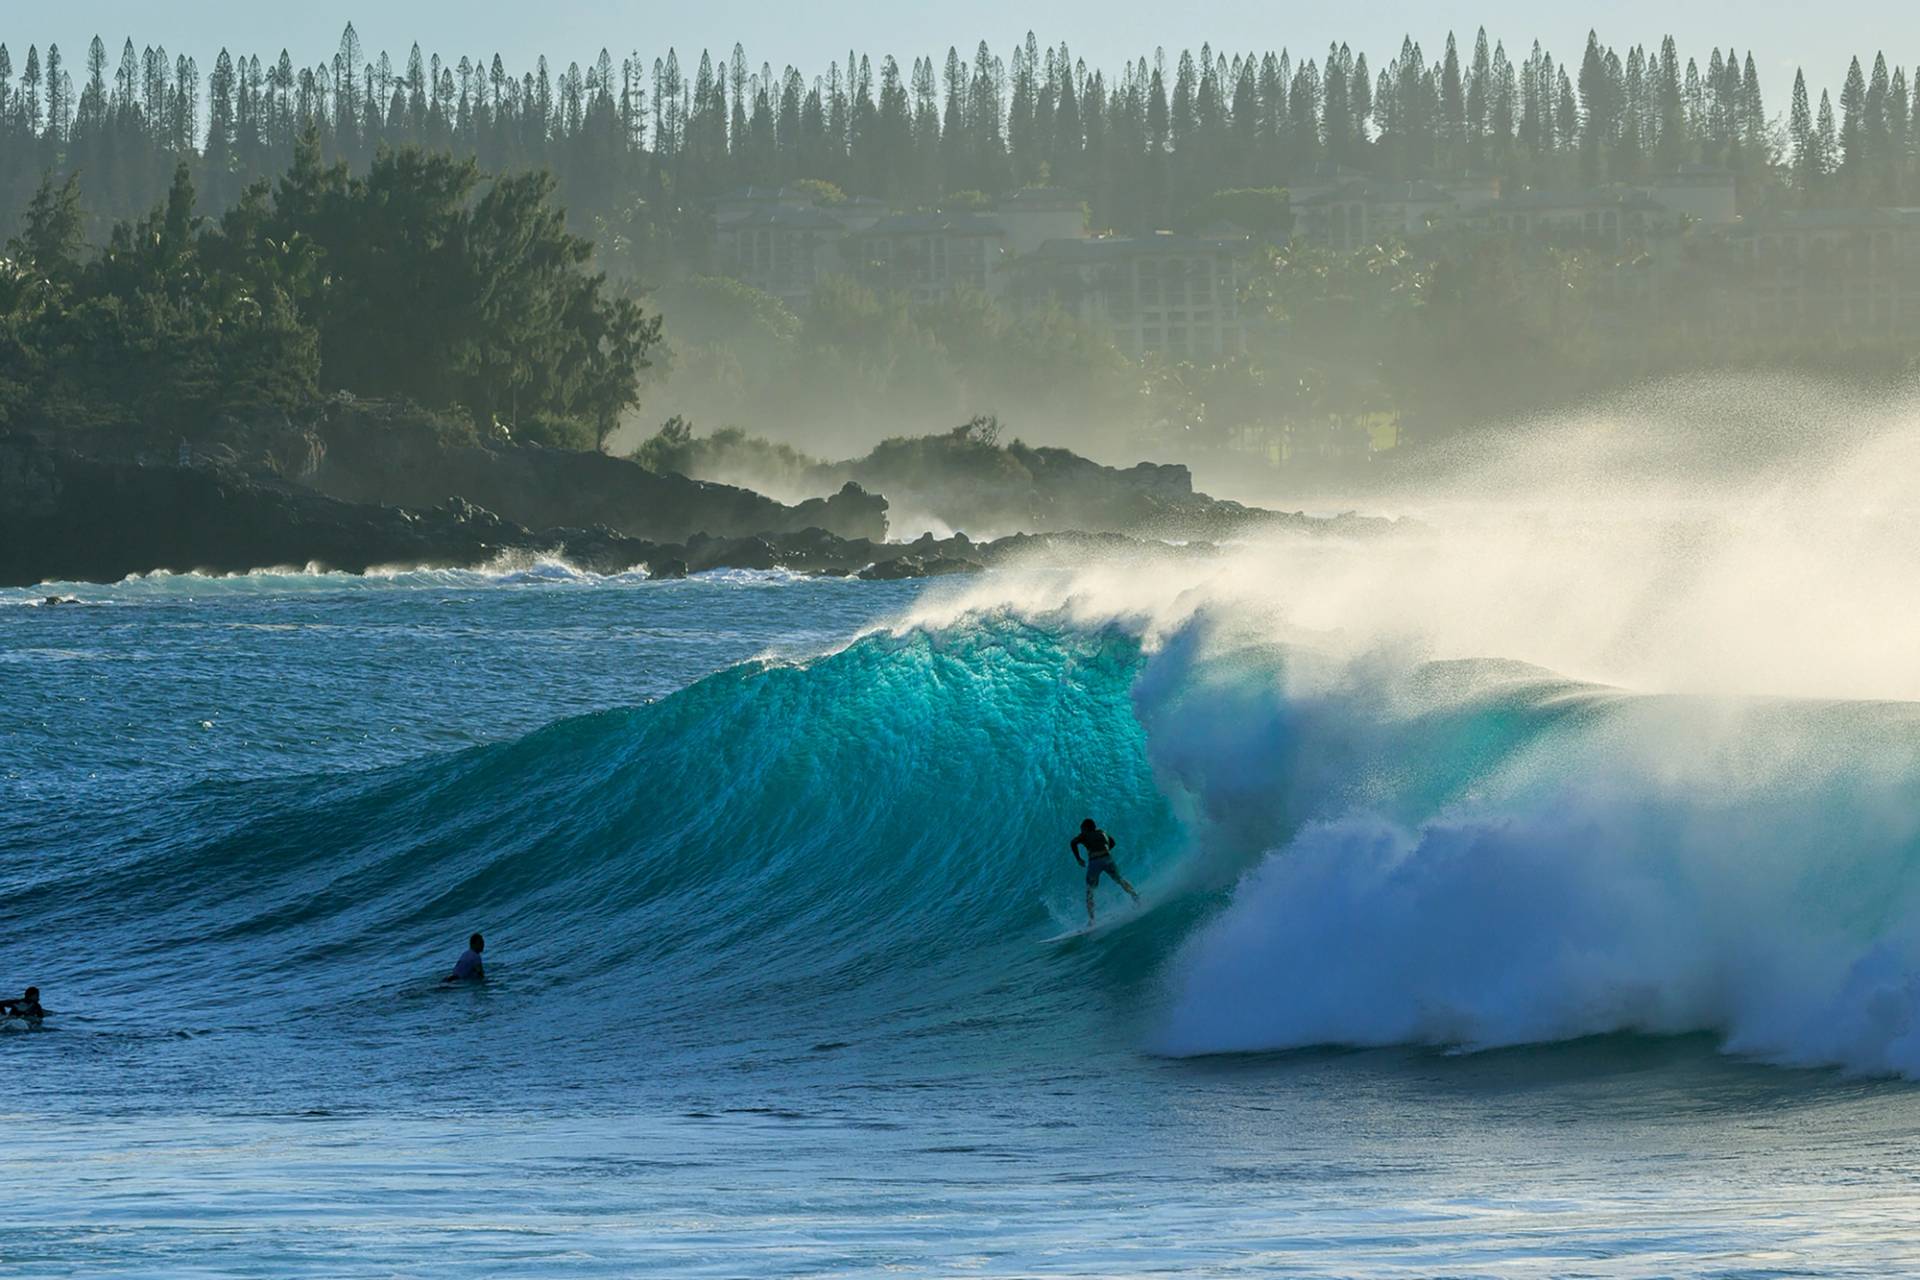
x,y
1531,891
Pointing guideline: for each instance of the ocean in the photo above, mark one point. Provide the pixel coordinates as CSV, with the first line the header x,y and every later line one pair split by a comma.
x,y
1478,939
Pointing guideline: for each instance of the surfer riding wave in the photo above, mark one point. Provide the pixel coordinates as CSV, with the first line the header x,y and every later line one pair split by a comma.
x,y
1098,862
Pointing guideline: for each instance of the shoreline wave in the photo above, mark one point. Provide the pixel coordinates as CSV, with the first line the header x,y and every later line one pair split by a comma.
x,y
507,570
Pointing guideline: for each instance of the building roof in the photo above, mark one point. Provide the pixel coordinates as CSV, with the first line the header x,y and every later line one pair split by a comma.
x,y
1042,199
1329,171
787,217
1859,219
1112,248
753,193
1547,201
1379,191
1695,175
954,224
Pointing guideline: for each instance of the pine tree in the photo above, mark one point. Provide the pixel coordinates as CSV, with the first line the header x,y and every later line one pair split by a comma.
x,y
1479,100
1023,109
1753,132
1853,134
346,87
29,107
418,105
1453,109
1069,123
955,155
1567,111
220,124
90,116
1694,109
1533,137
1336,106
1360,99
1596,123
1800,135
126,83
1876,130
1303,111
1672,141
1900,131
985,104
59,98
185,112
1826,144
1504,105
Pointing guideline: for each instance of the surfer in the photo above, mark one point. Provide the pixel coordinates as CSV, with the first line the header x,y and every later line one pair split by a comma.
x,y
468,967
1098,862
27,1006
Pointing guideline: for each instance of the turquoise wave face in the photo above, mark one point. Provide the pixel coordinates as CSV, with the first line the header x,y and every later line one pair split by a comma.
x,y
875,836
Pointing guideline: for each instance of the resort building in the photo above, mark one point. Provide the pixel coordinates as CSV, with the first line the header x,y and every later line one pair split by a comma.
x,y
782,248
1611,216
1833,272
1356,214
931,256
1166,295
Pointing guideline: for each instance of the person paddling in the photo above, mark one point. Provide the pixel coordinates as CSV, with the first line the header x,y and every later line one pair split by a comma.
x,y
468,967
27,1006
1098,862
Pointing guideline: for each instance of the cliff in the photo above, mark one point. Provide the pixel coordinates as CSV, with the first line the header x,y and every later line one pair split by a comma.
x,y
375,453
65,516
385,454
968,484
965,479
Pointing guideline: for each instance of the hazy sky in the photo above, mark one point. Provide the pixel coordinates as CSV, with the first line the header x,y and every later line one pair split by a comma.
x,y
1821,37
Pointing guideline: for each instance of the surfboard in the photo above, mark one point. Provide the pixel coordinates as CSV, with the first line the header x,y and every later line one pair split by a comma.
x,y
1070,935
1110,919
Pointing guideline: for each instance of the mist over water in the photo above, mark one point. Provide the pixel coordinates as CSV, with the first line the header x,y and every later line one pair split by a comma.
x,y
1739,535
1606,737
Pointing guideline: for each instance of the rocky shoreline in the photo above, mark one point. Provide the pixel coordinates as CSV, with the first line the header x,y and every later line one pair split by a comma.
x,y
363,486
65,517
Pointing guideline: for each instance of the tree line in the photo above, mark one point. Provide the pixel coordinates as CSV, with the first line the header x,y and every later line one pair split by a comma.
x,y
633,143
415,280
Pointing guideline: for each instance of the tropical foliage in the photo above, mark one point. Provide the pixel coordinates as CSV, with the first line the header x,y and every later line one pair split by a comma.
x,y
417,280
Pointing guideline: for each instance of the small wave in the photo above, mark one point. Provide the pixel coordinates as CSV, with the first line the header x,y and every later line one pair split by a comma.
x,y
508,569
755,577
35,657
36,599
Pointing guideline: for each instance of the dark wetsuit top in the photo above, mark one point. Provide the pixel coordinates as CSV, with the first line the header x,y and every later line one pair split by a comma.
x,y
22,1009
1097,843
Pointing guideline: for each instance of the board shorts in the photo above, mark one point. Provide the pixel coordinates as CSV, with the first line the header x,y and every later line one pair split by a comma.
x,y
1101,865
